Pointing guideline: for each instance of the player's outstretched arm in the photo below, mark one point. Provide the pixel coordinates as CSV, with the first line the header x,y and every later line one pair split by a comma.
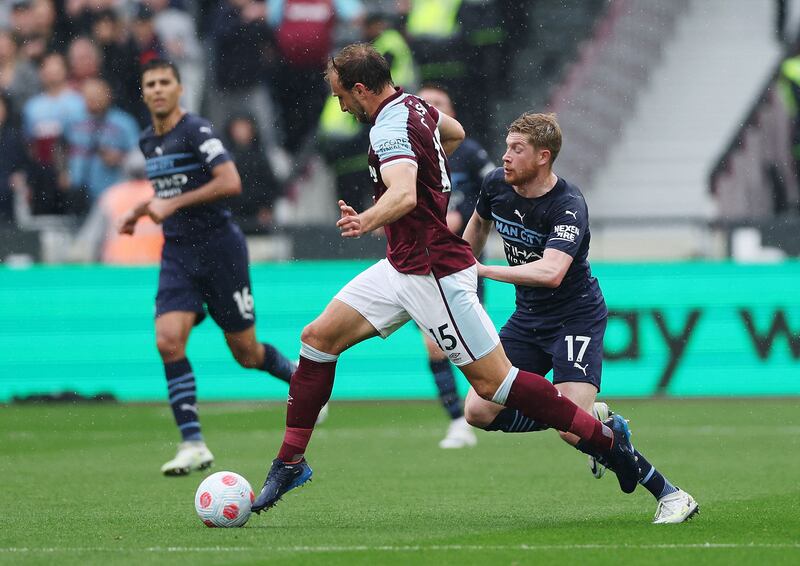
x,y
546,272
399,199
225,183
451,133
477,232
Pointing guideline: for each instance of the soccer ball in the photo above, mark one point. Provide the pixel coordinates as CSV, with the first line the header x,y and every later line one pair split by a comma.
x,y
223,500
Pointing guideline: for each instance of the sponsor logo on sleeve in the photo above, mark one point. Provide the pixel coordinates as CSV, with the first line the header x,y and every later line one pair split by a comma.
x,y
396,146
566,232
212,148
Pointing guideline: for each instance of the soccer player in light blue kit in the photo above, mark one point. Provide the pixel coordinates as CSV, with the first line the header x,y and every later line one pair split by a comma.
x,y
561,315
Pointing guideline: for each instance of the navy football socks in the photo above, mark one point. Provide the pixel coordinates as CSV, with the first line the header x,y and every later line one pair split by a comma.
x,y
276,363
183,398
446,383
652,480
511,420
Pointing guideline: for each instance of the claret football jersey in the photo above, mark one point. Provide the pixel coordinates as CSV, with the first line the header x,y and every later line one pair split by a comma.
x,y
405,130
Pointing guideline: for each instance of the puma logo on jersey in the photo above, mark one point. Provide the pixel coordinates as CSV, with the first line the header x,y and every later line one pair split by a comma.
x,y
521,216
574,214
159,151
580,367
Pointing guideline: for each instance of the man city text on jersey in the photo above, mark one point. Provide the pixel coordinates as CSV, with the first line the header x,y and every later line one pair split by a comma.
x,y
528,226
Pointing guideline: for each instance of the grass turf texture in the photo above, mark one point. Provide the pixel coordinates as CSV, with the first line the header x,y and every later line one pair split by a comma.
x,y
80,485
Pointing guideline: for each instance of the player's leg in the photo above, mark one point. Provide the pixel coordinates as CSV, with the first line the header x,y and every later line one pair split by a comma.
x,y
227,291
448,308
459,433
523,353
364,308
179,306
577,372
172,334
252,354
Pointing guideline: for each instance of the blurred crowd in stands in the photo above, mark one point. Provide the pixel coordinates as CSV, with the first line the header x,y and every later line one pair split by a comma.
x,y
70,108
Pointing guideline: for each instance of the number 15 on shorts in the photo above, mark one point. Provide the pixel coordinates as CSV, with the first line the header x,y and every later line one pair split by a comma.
x,y
446,342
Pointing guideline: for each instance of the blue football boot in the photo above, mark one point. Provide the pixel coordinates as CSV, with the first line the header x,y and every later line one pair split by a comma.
x,y
280,479
621,458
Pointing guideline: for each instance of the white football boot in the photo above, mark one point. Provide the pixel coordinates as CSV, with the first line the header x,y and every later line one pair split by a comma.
x,y
192,455
675,508
459,435
601,413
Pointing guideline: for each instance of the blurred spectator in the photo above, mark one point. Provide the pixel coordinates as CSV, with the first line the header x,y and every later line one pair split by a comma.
x,y
46,118
304,37
242,45
32,22
5,15
434,34
260,187
84,60
120,63
148,44
341,137
99,144
99,238
12,157
18,78
484,34
79,15
177,32
789,88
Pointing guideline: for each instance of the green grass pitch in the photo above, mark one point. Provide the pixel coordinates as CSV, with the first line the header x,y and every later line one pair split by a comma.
x,y
80,485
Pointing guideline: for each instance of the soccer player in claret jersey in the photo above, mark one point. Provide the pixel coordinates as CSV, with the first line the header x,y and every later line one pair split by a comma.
x,y
561,314
429,276
204,260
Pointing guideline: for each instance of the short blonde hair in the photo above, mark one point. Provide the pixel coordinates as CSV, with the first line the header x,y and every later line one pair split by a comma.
x,y
541,130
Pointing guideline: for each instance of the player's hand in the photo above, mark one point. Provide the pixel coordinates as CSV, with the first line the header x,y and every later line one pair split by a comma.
x,y
160,209
127,223
350,222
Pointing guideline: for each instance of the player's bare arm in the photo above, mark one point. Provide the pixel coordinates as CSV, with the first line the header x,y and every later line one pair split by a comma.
x,y
451,133
546,272
127,224
399,199
477,232
225,183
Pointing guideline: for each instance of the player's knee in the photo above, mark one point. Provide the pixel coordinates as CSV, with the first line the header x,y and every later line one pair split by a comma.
x,y
170,346
313,336
476,415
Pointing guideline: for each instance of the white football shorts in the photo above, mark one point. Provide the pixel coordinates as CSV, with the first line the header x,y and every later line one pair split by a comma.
x,y
446,309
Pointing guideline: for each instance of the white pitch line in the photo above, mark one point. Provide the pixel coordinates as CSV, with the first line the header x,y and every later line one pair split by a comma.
x,y
405,548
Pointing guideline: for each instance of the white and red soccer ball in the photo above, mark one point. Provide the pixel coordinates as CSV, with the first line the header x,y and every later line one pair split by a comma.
x,y
223,500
